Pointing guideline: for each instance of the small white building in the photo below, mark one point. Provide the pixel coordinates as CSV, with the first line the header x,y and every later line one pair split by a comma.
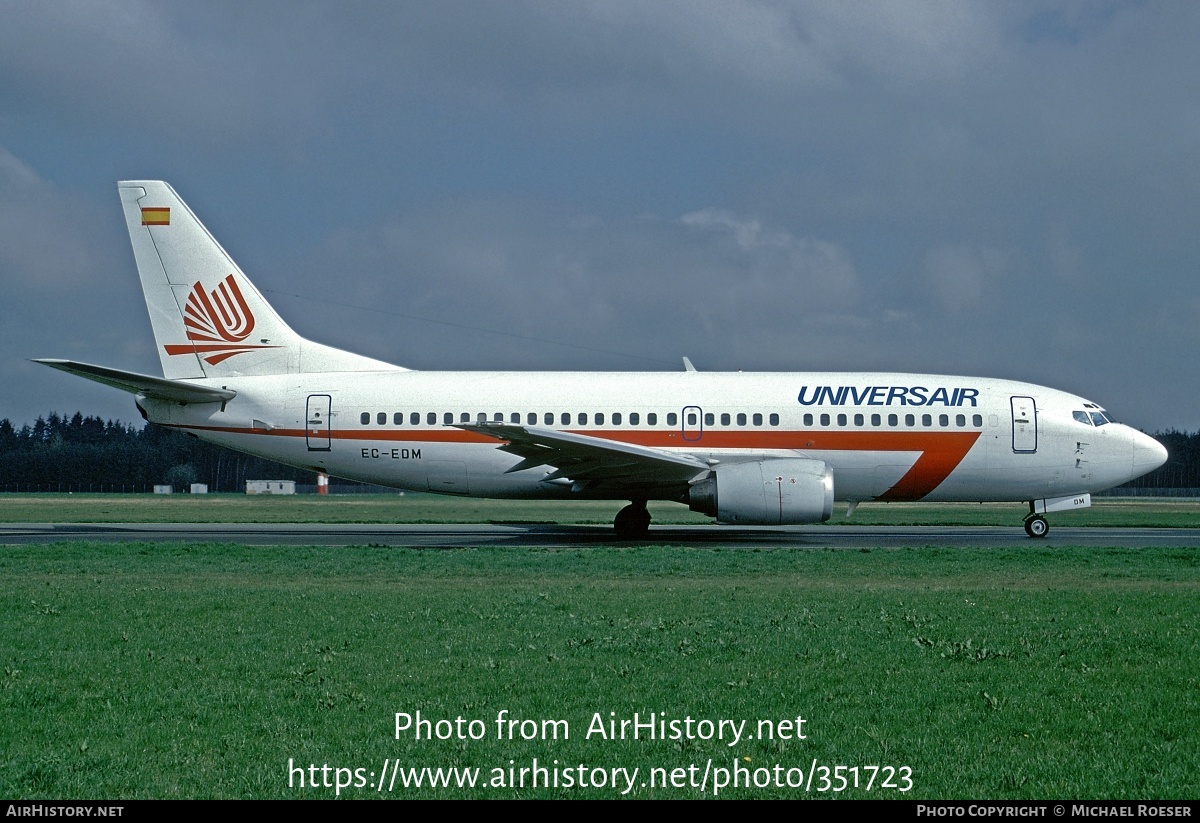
x,y
270,487
199,488
162,489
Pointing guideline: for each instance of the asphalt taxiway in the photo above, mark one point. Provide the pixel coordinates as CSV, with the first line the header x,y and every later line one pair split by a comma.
x,y
543,535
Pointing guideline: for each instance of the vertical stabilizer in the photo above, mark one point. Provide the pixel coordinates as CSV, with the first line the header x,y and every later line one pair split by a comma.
x,y
209,320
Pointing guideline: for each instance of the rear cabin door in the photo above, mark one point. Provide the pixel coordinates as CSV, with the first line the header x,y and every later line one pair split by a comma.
x,y
317,428
1024,425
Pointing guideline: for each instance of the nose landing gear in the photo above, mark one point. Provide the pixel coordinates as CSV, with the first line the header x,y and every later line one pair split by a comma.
x,y
1036,526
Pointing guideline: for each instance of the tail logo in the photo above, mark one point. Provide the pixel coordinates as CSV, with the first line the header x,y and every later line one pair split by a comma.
x,y
217,322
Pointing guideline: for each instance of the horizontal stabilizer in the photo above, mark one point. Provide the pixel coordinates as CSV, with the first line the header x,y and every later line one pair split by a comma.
x,y
155,387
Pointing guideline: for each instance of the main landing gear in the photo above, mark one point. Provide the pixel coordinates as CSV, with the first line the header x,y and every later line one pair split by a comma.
x,y
1036,525
633,521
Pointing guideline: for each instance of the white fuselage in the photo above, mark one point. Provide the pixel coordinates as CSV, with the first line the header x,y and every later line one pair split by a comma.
x,y
885,436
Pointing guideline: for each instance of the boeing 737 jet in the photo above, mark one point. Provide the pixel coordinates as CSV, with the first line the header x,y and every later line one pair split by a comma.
x,y
747,449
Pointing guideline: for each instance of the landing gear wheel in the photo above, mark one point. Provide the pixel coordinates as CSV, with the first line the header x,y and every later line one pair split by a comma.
x,y
1036,526
633,521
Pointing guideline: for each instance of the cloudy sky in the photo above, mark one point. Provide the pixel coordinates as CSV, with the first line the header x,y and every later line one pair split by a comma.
x,y
991,188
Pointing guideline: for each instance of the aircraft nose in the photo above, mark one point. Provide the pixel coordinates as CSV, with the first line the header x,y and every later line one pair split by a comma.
x,y
1148,454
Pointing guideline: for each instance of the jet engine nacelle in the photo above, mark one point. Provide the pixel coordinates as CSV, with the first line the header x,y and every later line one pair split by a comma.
x,y
778,492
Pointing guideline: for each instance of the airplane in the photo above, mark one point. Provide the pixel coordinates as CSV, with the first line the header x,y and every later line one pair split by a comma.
x,y
744,448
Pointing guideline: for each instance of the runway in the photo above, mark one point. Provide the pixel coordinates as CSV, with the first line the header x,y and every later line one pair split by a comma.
x,y
541,535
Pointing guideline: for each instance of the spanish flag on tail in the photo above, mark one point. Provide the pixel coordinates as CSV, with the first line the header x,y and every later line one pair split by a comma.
x,y
156,217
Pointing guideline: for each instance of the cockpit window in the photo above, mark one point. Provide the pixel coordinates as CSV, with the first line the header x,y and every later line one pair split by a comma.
x,y
1082,417
1099,419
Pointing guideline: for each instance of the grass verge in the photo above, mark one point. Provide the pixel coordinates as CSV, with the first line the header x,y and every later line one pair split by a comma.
x,y
172,670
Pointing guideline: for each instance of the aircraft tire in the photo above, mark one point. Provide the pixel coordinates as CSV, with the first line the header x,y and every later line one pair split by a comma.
x,y
632,522
1036,527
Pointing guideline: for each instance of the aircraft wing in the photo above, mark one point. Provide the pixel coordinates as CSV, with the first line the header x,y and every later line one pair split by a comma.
x,y
587,459
160,388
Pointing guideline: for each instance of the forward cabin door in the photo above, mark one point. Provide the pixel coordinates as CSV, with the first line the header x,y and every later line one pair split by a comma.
x,y
316,430
1024,425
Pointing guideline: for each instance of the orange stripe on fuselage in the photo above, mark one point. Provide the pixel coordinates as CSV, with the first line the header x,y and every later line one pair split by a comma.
x,y
418,436
940,452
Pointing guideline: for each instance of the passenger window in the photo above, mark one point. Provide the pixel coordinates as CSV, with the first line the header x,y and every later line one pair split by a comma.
x,y
582,418
692,418
465,417
960,420
481,417
910,420
724,418
876,420
741,418
381,418
841,419
415,418
549,418
943,420
672,418
651,419
808,419
927,420
977,420
858,419
431,418
599,418
365,419
893,420
774,419
398,419
566,418
758,418
616,418
448,418
709,418
634,418
824,420
531,418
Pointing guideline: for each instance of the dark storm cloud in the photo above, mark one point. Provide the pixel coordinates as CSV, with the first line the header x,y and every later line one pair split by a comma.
x,y
999,188
588,282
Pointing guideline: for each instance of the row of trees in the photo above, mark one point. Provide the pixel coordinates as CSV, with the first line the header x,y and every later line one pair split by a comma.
x,y
91,454
1182,469
87,453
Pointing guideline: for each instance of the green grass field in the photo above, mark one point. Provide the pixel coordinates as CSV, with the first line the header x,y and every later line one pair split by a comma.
x,y
140,670
427,508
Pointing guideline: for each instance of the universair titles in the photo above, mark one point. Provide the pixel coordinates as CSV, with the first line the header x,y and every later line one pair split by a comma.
x,y
886,396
